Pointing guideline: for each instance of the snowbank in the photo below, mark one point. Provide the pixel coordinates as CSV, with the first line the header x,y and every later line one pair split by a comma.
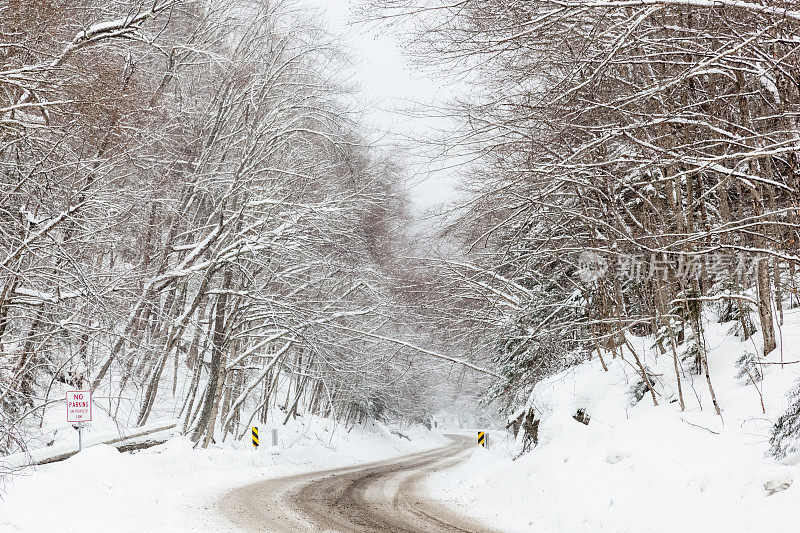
x,y
174,487
639,467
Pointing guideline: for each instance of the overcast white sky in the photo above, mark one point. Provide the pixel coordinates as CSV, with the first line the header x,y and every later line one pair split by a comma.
x,y
391,83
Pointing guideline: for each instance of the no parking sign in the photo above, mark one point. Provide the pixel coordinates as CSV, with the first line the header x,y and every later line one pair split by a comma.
x,y
79,406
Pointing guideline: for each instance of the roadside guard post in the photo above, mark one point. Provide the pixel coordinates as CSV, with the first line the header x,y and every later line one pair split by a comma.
x,y
79,409
255,437
482,440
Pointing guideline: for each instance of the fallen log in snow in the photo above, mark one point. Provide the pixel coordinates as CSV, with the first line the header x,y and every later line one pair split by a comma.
x,y
124,443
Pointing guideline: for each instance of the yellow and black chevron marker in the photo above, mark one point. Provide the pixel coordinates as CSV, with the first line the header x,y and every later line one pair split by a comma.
x,y
255,437
482,439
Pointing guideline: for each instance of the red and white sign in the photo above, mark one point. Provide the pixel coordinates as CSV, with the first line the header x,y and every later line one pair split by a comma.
x,y
79,406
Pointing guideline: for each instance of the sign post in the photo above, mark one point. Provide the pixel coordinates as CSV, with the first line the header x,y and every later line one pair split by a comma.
x,y
79,409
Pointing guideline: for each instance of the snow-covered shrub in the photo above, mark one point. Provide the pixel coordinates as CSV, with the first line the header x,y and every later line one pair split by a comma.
x,y
743,327
524,360
734,310
640,388
749,368
691,357
665,335
785,432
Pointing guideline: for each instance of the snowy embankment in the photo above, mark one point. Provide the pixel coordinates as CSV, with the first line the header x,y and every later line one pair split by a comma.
x,y
174,487
639,467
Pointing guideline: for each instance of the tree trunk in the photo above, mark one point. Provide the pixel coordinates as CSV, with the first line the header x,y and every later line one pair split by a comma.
x,y
208,415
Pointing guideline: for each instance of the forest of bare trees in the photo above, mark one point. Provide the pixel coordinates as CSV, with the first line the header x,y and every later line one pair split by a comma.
x,y
189,211
633,163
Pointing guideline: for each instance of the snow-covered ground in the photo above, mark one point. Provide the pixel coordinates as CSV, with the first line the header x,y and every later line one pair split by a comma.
x,y
639,467
635,467
174,487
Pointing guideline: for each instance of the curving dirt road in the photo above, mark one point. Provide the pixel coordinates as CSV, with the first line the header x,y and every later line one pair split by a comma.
x,y
376,497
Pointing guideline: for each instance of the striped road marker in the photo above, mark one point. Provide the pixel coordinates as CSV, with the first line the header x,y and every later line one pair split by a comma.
x,y
255,437
482,439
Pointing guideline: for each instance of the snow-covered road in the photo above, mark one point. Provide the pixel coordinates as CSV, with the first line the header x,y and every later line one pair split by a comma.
x,y
378,497
175,487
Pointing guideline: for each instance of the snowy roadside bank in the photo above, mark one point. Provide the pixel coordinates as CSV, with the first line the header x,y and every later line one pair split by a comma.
x,y
174,487
639,467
